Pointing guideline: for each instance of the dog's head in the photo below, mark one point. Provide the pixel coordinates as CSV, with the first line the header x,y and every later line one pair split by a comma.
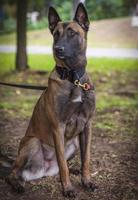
x,y
70,38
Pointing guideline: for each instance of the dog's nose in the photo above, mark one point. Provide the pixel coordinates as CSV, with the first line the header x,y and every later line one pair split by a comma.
x,y
59,50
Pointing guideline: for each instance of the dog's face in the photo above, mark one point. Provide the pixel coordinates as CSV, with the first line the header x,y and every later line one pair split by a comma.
x,y
70,38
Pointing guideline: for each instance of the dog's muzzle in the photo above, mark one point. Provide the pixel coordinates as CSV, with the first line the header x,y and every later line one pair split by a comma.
x,y
59,52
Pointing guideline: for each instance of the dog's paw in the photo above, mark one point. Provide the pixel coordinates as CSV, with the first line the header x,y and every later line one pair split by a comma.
x,y
89,186
15,184
70,193
18,188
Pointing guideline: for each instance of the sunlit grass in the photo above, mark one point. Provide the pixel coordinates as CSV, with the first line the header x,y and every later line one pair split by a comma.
x,y
46,62
36,62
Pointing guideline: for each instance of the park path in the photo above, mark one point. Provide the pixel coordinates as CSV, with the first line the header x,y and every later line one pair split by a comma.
x,y
91,52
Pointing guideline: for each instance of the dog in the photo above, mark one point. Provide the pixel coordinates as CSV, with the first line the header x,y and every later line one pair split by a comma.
x,y
61,120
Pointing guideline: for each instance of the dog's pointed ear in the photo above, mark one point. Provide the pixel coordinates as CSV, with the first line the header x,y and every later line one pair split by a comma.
x,y
81,17
53,18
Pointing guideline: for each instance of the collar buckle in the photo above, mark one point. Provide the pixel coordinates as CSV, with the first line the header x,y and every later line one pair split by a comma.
x,y
84,86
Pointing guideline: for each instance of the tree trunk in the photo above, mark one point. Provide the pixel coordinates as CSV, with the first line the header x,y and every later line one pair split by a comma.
x,y
21,54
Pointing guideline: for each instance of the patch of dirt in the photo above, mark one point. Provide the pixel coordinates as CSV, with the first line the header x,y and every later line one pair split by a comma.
x,y
113,166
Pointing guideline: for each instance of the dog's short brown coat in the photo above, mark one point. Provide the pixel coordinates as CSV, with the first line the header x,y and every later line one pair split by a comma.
x,y
61,120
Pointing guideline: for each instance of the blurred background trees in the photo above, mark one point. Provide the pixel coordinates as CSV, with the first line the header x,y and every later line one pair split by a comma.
x,y
97,9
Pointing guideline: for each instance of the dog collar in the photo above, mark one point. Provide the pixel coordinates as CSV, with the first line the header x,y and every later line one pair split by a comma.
x,y
70,74
74,76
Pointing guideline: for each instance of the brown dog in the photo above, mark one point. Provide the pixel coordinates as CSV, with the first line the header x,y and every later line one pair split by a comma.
x,y
61,121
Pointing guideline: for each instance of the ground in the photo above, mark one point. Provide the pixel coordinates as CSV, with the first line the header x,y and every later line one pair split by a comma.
x,y
114,158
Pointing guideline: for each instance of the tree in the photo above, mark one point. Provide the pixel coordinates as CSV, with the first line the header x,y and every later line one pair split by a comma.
x,y
21,54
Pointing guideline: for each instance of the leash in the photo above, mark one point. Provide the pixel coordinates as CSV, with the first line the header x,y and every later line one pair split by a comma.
x,y
85,86
24,86
70,74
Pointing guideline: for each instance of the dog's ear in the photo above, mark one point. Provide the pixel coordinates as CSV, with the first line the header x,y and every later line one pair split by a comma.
x,y
53,18
81,17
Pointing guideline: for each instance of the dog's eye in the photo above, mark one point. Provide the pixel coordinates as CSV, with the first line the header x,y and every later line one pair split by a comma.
x,y
71,33
56,35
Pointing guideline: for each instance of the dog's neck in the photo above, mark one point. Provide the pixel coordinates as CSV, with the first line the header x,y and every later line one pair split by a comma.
x,y
70,74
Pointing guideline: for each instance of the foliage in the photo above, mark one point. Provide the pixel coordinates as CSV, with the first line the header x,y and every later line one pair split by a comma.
x,y
65,10
40,24
97,9
100,9
9,25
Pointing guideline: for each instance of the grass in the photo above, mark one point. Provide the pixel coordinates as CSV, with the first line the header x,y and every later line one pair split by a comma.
x,y
109,33
23,104
46,62
36,62
114,101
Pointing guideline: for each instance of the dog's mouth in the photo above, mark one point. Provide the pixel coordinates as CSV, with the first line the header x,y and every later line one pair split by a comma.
x,y
60,56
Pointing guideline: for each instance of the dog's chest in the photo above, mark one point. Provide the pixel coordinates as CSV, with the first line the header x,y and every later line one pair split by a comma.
x,y
75,110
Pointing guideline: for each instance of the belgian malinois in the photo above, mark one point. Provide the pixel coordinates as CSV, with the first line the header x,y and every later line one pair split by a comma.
x,y
61,120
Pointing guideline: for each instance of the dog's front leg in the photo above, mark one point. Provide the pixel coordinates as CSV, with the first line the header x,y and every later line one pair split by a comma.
x,y
68,190
85,143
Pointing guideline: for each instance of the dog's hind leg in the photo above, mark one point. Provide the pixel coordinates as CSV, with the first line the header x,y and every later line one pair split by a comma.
x,y
15,179
28,165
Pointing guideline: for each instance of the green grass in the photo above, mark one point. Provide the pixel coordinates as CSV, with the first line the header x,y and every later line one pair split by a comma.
x,y
36,62
106,65
116,102
7,62
24,104
46,62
